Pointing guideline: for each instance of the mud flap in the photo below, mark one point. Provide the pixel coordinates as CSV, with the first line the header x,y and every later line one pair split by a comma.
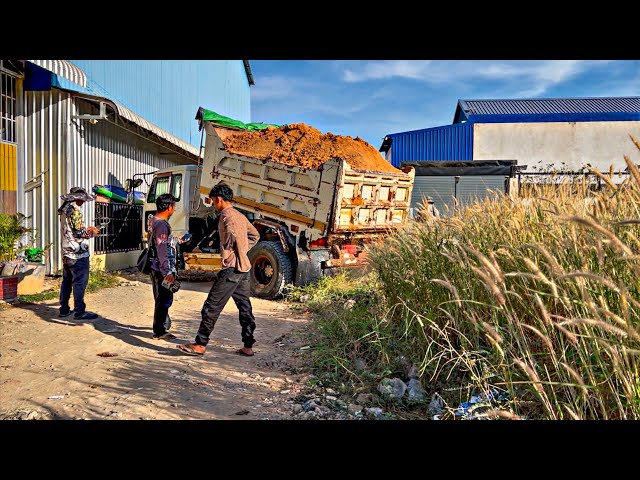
x,y
310,266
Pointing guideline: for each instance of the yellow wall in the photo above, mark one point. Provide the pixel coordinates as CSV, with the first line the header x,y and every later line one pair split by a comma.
x,y
8,173
115,261
8,178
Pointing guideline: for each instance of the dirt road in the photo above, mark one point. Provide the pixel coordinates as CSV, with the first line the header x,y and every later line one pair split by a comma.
x,y
51,368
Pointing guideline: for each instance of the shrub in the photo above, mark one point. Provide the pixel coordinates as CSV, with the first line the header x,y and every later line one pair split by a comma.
x,y
12,228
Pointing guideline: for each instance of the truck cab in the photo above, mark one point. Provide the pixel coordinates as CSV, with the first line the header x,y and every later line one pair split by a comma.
x,y
191,216
177,181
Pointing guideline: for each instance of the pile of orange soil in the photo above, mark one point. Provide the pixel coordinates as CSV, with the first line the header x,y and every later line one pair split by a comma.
x,y
299,145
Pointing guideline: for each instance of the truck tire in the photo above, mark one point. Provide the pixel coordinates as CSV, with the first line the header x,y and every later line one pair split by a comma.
x,y
270,270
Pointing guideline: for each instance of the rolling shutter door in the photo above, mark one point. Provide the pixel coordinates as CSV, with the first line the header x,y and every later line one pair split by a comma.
x,y
474,188
443,190
440,188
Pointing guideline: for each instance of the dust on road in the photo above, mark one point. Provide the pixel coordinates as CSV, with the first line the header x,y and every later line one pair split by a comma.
x,y
111,368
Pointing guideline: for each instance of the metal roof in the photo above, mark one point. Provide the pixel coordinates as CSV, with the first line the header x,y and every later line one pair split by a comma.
x,y
97,94
125,113
64,69
247,70
548,109
138,120
471,167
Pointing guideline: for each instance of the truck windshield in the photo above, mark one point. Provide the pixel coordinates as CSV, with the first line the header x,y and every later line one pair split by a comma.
x,y
169,184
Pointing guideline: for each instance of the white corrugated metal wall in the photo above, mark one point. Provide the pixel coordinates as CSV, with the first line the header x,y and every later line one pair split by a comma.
x,y
446,190
59,152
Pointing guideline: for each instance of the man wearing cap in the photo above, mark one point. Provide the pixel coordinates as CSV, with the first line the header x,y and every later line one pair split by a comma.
x,y
75,253
431,208
427,212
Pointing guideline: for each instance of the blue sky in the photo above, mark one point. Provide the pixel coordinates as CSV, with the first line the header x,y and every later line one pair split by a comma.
x,y
372,98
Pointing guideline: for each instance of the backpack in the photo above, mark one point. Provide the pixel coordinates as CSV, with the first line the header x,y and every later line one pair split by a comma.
x,y
145,257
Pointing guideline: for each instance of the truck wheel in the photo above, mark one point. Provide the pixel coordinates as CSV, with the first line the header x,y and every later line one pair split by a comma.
x,y
270,270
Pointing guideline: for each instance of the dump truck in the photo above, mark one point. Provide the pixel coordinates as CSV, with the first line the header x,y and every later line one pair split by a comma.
x,y
314,218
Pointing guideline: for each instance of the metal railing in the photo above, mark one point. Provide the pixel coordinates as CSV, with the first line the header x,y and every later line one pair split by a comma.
x,y
120,227
591,181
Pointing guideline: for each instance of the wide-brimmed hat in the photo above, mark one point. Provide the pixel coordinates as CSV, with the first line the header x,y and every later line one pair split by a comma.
x,y
77,193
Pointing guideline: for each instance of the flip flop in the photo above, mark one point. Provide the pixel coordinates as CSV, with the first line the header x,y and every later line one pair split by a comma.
x,y
188,349
166,336
243,353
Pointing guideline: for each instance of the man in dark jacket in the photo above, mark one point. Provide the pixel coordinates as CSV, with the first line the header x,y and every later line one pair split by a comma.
x,y
163,265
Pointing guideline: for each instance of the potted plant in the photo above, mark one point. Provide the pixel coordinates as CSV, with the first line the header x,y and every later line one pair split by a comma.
x,y
12,228
31,271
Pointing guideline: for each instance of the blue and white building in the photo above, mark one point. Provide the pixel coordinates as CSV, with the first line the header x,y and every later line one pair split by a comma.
x,y
562,134
87,122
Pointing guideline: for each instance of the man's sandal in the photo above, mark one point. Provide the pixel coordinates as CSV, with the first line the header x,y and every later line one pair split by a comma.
x,y
189,350
243,353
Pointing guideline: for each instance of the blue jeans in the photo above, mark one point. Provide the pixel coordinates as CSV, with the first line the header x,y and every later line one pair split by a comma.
x,y
75,277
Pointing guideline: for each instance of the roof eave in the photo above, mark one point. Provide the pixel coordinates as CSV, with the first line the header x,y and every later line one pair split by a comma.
x,y
247,69
186,149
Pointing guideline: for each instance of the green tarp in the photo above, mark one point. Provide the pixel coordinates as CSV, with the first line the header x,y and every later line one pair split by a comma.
x,y
213,117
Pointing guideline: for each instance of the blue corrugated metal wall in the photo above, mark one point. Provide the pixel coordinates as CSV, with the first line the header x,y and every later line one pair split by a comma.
x,y
449,142
169,92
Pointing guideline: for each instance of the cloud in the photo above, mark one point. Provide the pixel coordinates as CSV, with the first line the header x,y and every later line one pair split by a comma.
x,y
623,82
555,70
279,87
329,98
374,98
413,69
535,77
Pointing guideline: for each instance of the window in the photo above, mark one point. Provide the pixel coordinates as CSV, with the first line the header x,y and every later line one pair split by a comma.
x,y
159,186
7,108
176,187
168,184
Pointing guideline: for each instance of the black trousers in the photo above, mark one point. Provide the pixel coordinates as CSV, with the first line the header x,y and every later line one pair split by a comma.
x,y
164,299
228,284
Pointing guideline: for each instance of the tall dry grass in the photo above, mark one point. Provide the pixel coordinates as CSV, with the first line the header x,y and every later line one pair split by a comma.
x,y
537,298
